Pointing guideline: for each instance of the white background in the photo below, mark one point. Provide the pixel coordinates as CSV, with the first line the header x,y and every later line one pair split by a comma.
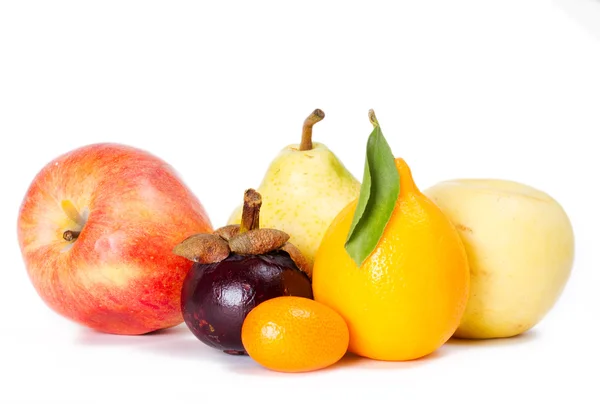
x,y
462,88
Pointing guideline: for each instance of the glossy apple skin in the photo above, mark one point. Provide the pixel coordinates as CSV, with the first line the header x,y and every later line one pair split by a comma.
x,y
216,298
120,275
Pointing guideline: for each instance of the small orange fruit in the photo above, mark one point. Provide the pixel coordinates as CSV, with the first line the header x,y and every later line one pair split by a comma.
x,y
408,296
294,334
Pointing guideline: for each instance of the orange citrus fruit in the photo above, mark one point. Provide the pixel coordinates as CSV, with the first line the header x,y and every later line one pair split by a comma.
x,y
294,334
408,296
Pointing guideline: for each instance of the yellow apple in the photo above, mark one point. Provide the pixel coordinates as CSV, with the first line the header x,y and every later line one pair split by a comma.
x,y
520,246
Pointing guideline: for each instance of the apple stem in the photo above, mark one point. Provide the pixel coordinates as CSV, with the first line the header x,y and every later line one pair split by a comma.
x,y
71,235
251,210
316,116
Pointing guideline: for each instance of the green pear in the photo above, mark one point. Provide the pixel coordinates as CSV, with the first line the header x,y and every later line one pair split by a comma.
x,y
303,190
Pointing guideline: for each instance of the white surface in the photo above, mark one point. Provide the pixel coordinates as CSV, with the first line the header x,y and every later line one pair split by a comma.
x,y
462,89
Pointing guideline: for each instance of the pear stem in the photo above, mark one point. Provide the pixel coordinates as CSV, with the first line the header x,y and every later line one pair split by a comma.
x,y
373,118
251,210
313,118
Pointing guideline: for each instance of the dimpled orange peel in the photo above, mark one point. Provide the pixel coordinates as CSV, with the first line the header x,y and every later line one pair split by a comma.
x,y
294,334
392,264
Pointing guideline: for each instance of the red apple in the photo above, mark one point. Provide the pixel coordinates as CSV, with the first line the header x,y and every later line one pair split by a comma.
x,y
96,230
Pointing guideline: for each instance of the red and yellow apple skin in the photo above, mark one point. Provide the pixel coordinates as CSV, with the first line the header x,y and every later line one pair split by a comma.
x,y
119,275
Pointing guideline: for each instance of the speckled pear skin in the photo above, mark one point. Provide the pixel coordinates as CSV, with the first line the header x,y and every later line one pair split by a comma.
x,y
302,192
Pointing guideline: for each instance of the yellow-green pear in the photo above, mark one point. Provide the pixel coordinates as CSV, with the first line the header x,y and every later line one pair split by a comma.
x,y
304,188
520,247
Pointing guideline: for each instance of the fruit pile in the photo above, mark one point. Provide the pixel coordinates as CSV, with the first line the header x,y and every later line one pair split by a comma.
x,y
312,264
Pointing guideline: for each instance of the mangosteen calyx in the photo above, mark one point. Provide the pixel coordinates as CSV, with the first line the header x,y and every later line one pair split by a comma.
x,y
243,239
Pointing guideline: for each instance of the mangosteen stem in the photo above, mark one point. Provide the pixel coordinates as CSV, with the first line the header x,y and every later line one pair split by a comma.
x,y
313,118
251,210
71,235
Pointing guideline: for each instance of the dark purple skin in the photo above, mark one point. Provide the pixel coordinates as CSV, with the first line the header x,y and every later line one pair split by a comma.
x,y
216,298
